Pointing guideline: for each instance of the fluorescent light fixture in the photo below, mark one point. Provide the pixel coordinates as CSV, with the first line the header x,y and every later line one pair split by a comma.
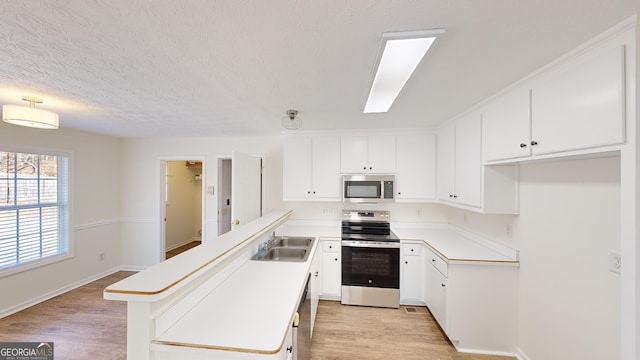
x,y
399,55
29,116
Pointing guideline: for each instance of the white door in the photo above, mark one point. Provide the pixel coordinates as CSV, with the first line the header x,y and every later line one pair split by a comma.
x,y
245,188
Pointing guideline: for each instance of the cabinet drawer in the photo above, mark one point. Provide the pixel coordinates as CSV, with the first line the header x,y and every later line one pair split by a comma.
x,y
411,249
437,262
331,246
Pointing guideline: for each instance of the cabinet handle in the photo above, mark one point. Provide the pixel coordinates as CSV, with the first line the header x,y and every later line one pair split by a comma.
x,y
443,285
411,250
399,193
523,145
330,246
336,259
315,274
455,196
406,262
534,143
434,260
450,195
314,192
364,168
289,348
370,168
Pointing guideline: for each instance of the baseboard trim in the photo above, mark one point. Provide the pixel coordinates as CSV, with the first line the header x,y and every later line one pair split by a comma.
x,y
14,309
521,355
182,243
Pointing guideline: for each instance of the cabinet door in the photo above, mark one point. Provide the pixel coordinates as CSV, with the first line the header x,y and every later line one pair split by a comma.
x,y
581,107
296,165
506,127
468,163
331,274
436,295
353,154
416,167
411,279
326,167
445,163
381,158
316,284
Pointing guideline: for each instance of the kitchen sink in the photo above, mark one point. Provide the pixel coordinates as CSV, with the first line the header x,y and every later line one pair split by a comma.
x,y
285,254
287,248
294,241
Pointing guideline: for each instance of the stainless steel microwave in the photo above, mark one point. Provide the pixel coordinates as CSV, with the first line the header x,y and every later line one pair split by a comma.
x,y
367,188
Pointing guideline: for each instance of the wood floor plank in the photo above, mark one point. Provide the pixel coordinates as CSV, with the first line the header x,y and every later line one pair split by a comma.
x,y
83,326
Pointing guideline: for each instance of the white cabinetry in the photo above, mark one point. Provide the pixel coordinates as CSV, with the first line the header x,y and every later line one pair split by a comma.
x,y
581,107
506,128
374,154
459,162
576,107
416,168
315,284
331,269
463,181
311,168
411,274
474,302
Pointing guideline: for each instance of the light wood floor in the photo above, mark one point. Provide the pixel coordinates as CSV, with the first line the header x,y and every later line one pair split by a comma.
x,y
83,326
356,332
181,249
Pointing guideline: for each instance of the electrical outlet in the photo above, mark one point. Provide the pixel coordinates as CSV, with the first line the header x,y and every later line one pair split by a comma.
x,y
101,257
615,262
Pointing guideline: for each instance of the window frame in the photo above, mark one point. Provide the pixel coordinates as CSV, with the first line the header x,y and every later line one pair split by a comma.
x,y
66,228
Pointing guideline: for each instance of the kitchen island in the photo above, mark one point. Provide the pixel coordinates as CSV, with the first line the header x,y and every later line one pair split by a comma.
x,y
213,302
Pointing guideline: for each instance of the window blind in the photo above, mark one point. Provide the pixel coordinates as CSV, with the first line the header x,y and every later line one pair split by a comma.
x,y
33,207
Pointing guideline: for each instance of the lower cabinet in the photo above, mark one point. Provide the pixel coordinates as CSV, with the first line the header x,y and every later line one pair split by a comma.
x,y
411,274
473,302
331,269
315,284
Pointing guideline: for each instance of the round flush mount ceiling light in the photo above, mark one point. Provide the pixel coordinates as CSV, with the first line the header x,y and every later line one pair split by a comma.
x,y
29,116
291,121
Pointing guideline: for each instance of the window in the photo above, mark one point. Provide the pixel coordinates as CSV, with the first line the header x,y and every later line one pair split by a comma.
x,y
33,208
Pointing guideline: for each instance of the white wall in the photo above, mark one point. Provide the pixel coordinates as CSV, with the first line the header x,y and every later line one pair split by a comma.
x,y
569,301
141,194
94,225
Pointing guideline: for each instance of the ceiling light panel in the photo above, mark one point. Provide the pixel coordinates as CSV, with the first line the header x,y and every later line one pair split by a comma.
x,y
399,55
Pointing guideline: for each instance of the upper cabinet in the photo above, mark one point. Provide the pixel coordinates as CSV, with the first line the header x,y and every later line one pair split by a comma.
x,y
575,107
506,127
582,107
416,168
311,168
460,162
462,179
374,154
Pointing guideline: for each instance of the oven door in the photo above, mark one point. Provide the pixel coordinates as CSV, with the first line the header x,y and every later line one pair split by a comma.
x,y
371,264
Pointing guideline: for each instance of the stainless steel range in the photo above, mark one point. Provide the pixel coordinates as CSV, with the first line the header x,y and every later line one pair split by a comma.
x,y
370,260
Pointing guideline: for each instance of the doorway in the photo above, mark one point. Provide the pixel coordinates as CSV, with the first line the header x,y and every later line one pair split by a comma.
x,y
239,190
182,210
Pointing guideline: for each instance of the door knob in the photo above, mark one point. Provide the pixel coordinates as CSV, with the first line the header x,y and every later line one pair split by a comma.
x,y
237,222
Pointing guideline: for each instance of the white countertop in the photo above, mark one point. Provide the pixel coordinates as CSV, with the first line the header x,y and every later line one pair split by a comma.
x,y
161,280
453,246
251,311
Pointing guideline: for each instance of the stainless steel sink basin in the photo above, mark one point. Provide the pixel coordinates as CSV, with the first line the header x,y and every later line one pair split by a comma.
x,y
294,241
288,248
285,254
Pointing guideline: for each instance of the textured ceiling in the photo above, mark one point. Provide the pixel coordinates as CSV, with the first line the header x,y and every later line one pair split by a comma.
x,y
150,68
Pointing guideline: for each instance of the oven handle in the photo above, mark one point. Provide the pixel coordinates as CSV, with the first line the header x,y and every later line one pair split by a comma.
x,y
371,244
